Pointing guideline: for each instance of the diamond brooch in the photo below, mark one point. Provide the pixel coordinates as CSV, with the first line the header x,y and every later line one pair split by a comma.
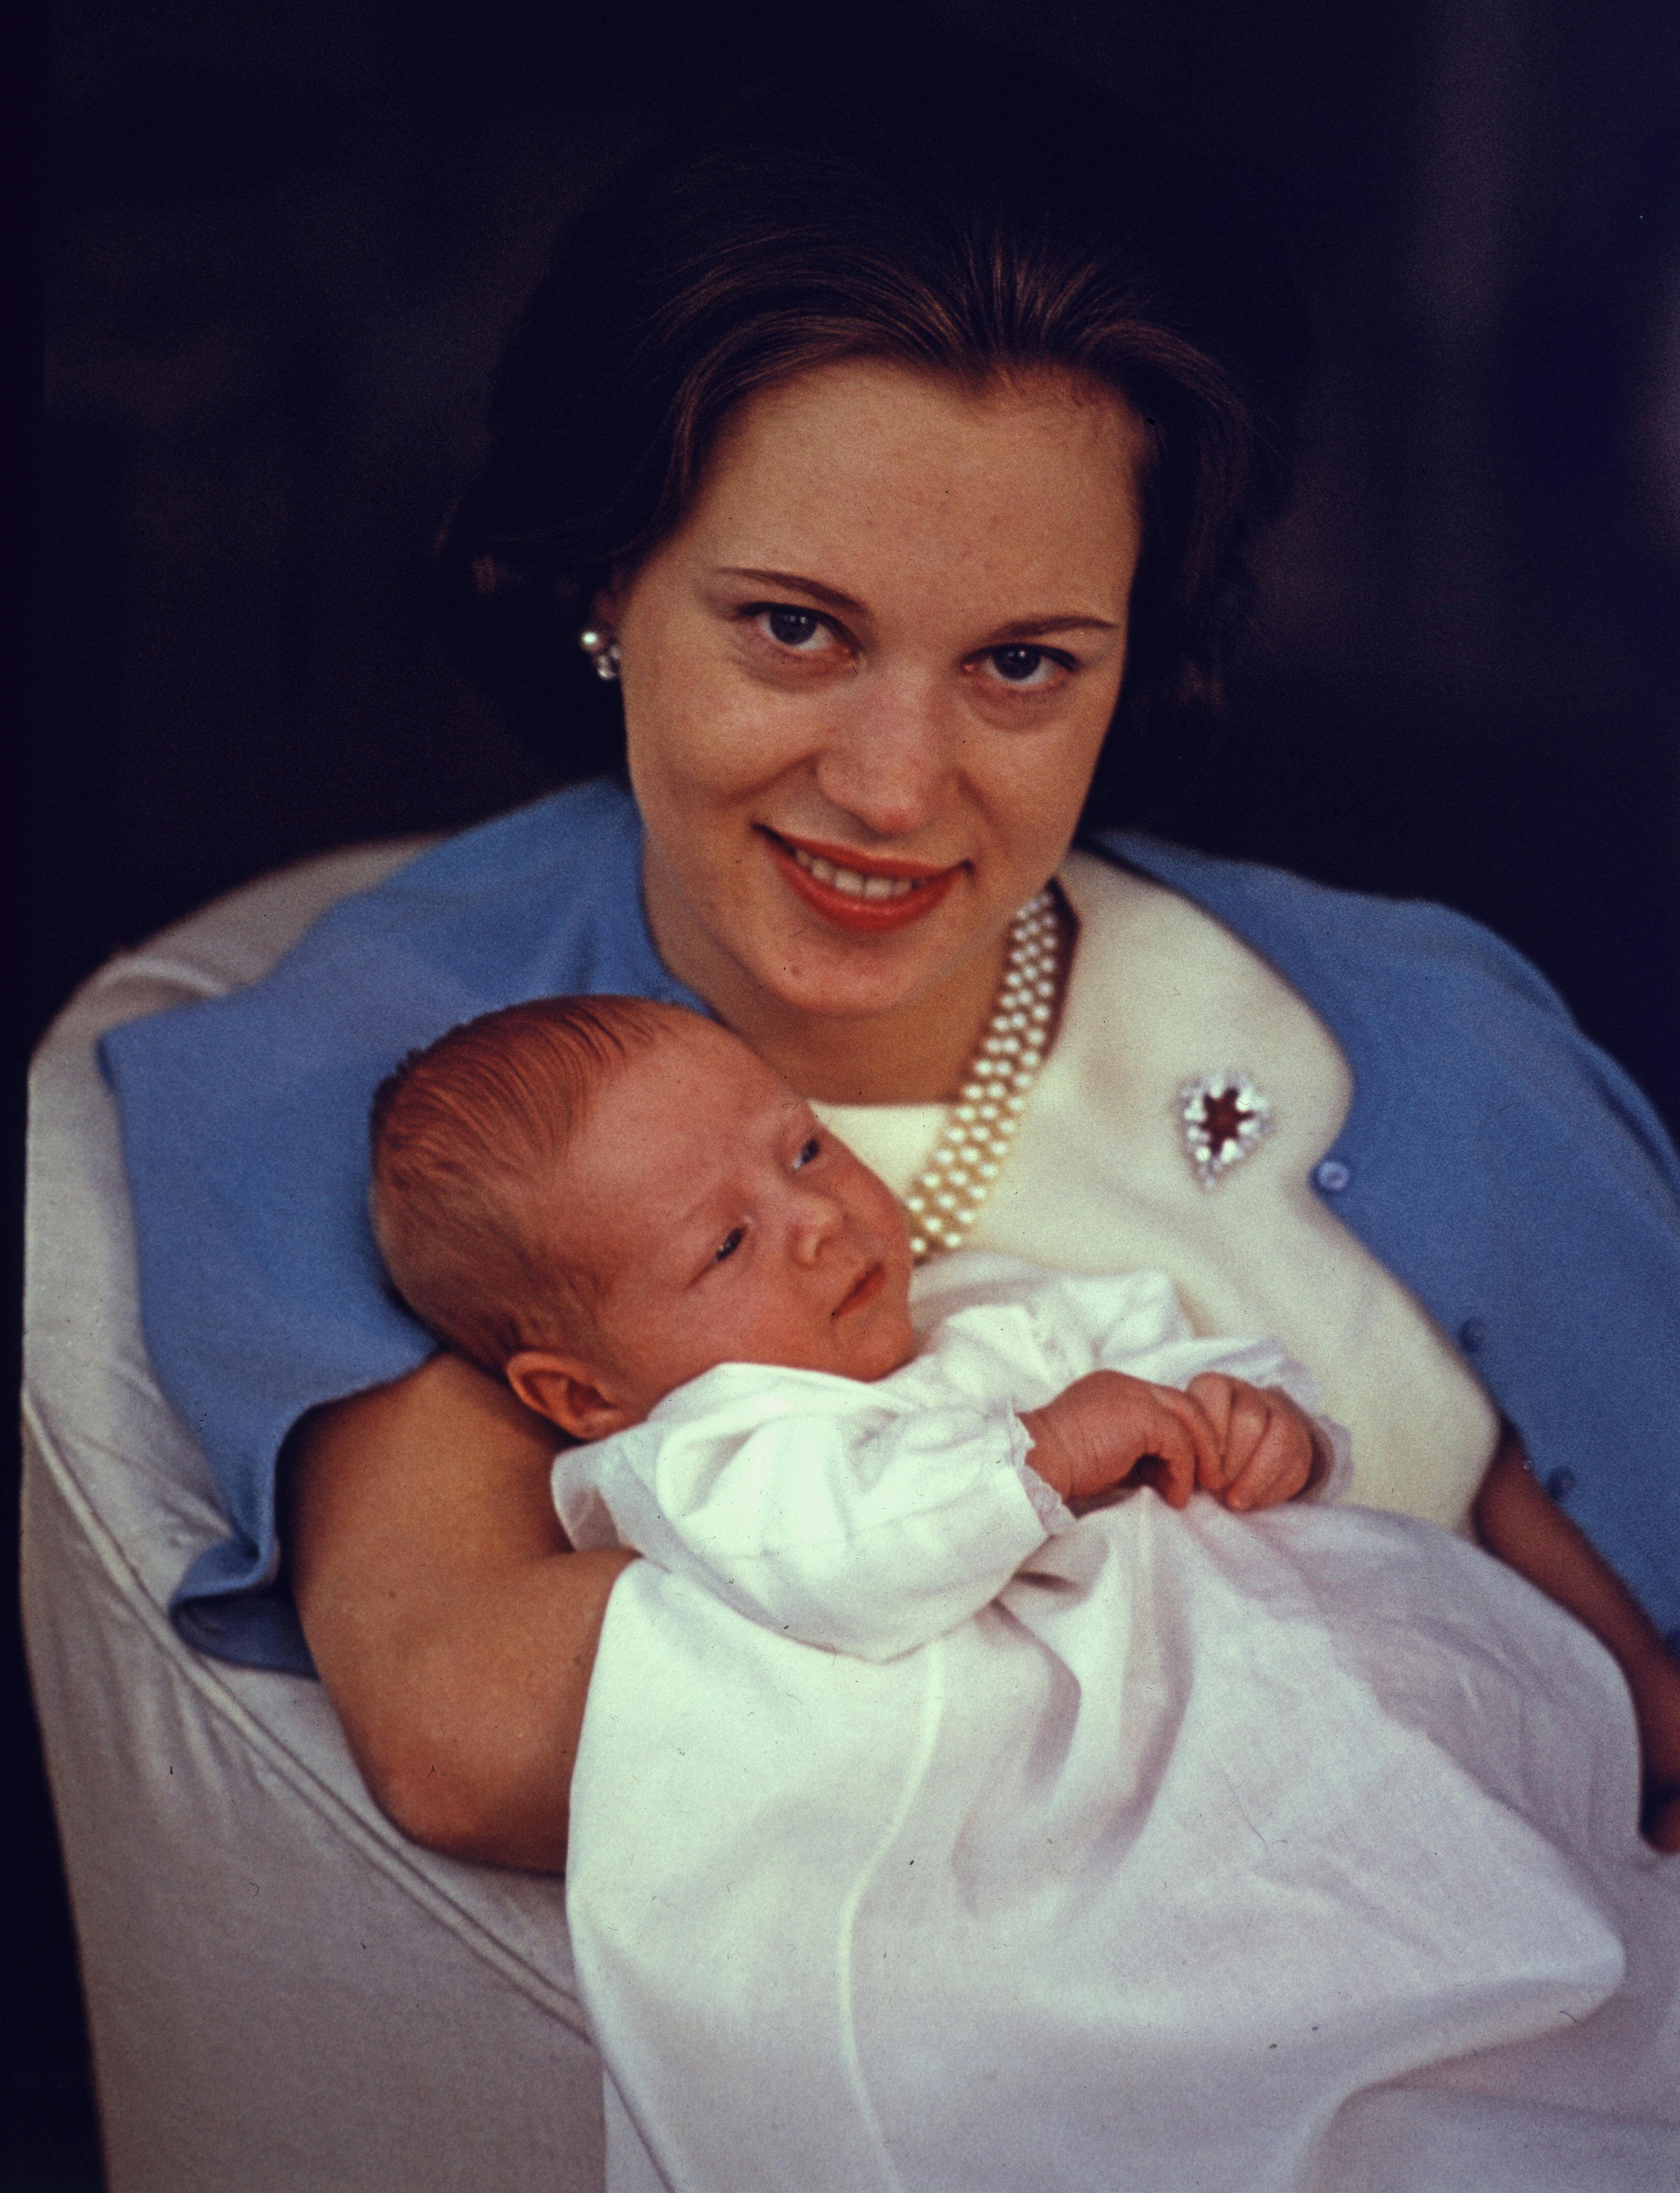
x,y
1222,1118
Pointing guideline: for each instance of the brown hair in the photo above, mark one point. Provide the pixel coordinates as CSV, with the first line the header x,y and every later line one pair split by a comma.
x,y
468,1137
984,217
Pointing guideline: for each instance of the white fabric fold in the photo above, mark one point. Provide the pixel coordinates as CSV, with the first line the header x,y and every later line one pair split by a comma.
x,y
813,1509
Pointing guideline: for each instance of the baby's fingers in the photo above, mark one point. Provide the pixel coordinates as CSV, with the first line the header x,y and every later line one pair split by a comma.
x,y
1280,1464
1214,1394
1188,1447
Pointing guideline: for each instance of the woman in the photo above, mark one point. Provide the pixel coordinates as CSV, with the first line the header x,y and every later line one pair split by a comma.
x,y
892,456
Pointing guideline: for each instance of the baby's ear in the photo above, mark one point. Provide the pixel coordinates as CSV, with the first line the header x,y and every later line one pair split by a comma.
x,y
564,1390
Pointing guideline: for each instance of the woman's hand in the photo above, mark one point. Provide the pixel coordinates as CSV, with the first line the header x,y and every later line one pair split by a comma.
x,y
453,1630
1661,1824
1518,1521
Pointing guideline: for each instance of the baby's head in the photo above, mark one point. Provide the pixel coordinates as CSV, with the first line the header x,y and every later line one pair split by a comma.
x,y
601,1197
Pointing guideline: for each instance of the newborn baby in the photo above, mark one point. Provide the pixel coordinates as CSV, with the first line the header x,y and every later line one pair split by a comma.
x,y
606,1199
996,1847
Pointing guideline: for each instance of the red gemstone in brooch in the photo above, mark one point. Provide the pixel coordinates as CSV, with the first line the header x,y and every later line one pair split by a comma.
x,y
1222,1117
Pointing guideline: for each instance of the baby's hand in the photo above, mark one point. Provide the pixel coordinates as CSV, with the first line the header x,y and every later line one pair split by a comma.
x,y
1267,1449
1097,1434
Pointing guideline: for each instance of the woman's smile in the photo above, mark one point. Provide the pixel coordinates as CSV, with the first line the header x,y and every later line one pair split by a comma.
x,y
865,896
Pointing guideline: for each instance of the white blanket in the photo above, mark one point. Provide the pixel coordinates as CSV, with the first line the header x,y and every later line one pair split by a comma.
x,y
912,1847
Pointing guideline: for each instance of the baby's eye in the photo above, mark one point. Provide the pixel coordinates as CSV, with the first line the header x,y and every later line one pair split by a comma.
x,y
812,1149
1033,667
732,1241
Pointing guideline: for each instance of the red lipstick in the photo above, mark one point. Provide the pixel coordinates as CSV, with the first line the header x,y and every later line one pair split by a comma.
x,y
865,917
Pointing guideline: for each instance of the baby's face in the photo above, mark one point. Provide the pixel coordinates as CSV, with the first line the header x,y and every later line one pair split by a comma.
x,y
729,1226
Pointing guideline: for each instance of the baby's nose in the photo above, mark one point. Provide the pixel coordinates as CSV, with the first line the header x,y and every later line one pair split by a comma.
x,y
816,1223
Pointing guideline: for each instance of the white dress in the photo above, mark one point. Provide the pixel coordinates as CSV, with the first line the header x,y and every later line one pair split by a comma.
x,y
924,1838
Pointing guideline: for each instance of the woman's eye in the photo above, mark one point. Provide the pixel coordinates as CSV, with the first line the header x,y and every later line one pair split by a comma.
x,y
812,1149
1025,666
732,1241
792,628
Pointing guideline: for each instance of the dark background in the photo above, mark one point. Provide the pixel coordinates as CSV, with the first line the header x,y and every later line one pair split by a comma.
x,y
282,247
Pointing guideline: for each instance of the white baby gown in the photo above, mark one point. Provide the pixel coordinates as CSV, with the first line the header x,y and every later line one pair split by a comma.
x,y
923,1838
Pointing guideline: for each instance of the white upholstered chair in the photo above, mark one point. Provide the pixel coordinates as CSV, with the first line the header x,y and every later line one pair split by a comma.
x,y
285,1996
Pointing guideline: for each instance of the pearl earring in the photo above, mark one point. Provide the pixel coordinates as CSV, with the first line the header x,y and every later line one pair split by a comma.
x,y
602,651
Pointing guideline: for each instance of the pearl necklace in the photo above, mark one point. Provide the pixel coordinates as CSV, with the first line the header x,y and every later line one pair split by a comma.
x,y
945,1199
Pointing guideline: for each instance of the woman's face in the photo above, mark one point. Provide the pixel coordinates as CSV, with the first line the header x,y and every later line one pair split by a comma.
x,y
866,683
